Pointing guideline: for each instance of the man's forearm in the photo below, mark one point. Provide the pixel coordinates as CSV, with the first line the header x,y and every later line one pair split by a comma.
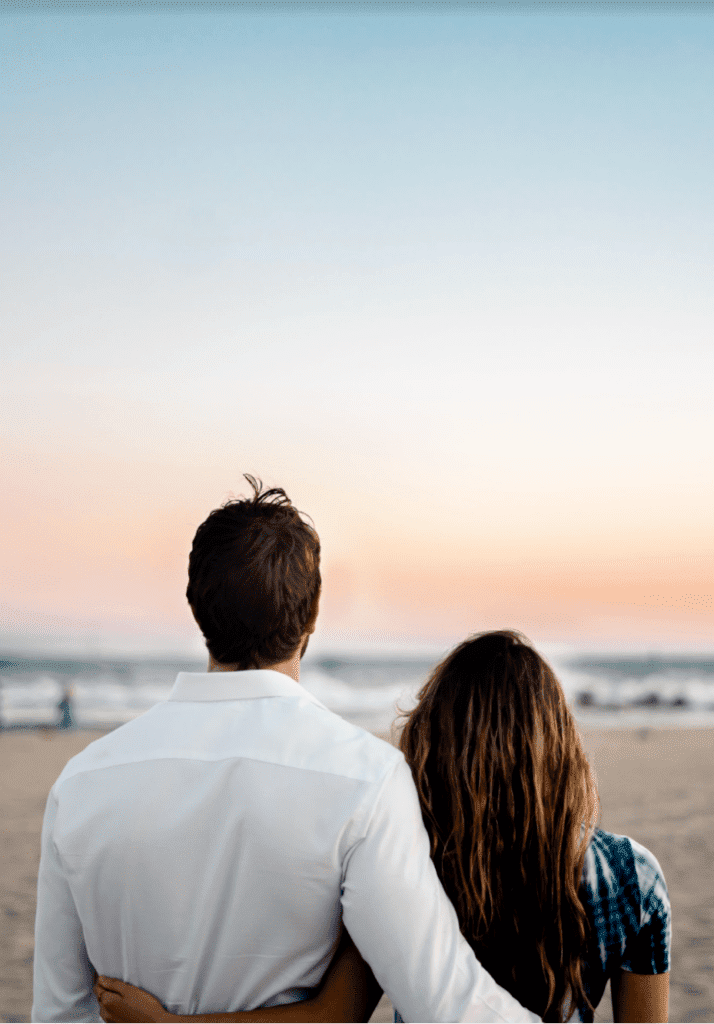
x,y
405,927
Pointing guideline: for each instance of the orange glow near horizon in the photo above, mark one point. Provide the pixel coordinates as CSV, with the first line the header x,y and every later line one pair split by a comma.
x,y
125,569
106,540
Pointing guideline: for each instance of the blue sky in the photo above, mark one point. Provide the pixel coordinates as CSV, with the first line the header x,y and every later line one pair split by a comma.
x,y
446,278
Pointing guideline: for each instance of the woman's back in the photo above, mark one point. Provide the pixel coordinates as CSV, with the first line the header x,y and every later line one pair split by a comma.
x,y
626,901
551,905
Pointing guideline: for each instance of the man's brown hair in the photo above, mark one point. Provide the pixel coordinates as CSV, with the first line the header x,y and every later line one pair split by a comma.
x,y
254,579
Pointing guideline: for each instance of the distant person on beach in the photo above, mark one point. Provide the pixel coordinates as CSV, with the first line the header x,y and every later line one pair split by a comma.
x,y
64,707
212,849
552,906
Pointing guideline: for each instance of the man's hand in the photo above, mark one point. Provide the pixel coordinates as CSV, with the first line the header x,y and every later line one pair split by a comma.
x,y
120,1002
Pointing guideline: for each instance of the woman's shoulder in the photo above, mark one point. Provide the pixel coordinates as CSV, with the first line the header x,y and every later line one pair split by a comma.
x,y
621,863
627,897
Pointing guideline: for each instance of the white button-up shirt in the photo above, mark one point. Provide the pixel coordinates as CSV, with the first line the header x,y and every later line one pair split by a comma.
x,y
207,851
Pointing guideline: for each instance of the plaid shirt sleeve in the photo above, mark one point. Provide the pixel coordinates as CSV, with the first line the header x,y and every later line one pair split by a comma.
x,y
649,951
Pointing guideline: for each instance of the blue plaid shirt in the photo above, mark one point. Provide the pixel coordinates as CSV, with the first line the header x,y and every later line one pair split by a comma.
x,y
625,897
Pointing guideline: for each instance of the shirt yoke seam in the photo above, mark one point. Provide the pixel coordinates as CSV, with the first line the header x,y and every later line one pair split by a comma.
x,y
378,777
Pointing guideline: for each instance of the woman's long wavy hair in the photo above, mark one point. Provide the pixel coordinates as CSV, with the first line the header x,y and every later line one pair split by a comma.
x,y
509,802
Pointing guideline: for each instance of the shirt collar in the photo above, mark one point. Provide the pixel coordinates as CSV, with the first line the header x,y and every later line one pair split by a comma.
x,y
250,684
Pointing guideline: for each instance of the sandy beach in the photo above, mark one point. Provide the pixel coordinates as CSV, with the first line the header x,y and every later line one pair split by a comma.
x,y
655,785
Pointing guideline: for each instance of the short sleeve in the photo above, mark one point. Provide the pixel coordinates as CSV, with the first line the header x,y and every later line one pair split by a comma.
x,y
648,952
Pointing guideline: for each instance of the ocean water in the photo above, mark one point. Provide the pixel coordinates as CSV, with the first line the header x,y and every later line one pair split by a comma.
x,y
603,688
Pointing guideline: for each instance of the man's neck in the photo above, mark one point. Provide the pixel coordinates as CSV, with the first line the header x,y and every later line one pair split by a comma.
x,y
291,667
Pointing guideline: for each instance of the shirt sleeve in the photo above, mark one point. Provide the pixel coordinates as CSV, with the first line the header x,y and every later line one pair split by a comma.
x,y
649,951
404,925
63,975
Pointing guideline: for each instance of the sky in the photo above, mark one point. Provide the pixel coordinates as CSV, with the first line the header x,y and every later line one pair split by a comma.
x,y
444,277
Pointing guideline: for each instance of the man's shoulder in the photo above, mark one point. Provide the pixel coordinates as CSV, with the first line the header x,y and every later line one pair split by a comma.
x,y
302,735
329,743
97,754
